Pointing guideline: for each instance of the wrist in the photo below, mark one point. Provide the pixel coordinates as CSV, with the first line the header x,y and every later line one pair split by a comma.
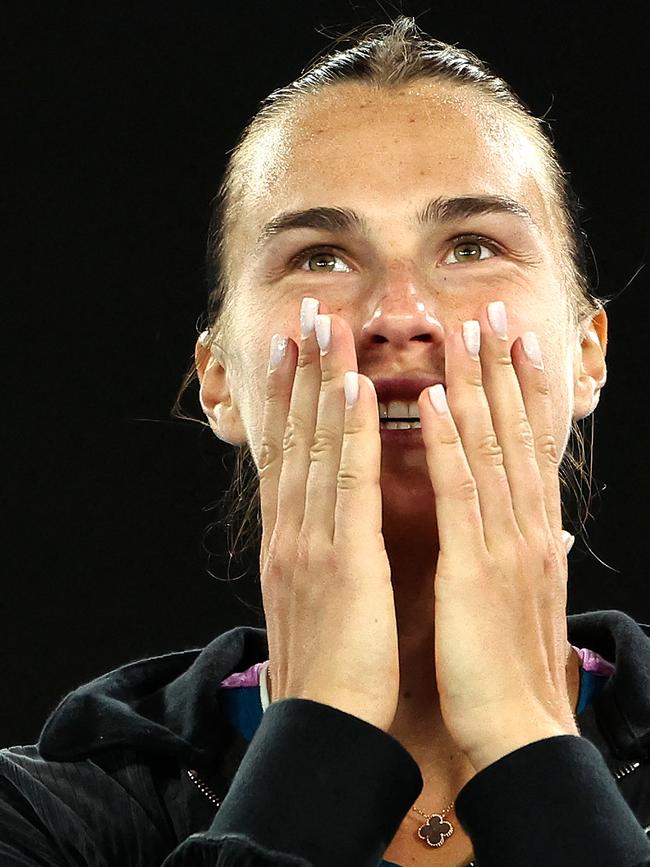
x,y
495,747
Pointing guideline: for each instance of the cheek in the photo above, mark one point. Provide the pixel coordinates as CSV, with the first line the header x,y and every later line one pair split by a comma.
x,y
253,397
563,398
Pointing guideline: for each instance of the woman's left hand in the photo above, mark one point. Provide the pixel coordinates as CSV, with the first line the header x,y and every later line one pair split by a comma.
x,y
501,645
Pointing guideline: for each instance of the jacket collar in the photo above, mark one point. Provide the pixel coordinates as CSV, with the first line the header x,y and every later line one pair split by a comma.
x,y
170,705
622,710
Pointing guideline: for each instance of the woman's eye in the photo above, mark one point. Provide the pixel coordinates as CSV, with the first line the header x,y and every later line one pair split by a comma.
x,y
319,261
468,251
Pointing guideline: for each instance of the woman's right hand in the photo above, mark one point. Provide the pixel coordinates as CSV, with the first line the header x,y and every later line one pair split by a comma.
x,y
325,576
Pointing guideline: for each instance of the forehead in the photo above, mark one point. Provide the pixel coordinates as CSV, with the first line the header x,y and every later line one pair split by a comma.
x,y
352,145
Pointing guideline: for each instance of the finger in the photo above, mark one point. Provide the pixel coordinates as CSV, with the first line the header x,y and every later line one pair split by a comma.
x,y
537,399
325,453
358,512
295,444
458,511
471,413
274,420
512,427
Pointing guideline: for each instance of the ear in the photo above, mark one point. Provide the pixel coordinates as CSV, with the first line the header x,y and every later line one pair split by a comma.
x,y
589,368
215,393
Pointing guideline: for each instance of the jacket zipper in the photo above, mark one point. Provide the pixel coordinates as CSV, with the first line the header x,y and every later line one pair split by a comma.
x,y
203,788
628,768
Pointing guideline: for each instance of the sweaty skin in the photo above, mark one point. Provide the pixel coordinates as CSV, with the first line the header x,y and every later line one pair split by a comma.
x,y
385,155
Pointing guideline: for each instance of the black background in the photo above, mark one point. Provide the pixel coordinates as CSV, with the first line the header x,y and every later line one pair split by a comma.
x,y
118,119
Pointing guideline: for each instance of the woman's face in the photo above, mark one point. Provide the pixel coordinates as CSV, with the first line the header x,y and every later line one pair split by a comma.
x,y
401,284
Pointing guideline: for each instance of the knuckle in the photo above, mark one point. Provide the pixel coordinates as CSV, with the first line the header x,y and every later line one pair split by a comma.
x,y
325,442
356,425
490,451
524,433
466,490
328,377
293,434
449,438
348,480
546,445
541,386
475,378
504,358
303,362
269,456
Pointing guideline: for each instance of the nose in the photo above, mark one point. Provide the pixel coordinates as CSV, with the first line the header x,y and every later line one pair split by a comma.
x,y
402,317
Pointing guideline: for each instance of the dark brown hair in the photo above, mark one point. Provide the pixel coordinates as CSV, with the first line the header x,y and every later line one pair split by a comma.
x,y
387,56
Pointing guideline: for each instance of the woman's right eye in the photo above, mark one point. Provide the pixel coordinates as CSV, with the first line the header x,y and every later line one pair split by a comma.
x,y
321,260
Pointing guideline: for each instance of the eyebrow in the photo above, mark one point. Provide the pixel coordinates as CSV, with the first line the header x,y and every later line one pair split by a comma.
x,y
441,210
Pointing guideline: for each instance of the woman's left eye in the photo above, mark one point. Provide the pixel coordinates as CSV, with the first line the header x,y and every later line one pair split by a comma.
x,y
466,249
320,256
469,250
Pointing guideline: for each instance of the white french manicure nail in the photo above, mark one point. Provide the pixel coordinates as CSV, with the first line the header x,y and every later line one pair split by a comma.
x,y
308,310
323,332
472,337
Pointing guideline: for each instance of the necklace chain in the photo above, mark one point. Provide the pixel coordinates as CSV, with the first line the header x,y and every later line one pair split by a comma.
x,y
446,810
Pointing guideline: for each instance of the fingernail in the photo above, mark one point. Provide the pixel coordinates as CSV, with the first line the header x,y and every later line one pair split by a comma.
x,y
351,387
323,332
531,347
308,310
472,337
278,349
438,398
496,312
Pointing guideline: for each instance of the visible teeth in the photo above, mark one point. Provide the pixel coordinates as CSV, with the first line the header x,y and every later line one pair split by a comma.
x,y
399,425
399,409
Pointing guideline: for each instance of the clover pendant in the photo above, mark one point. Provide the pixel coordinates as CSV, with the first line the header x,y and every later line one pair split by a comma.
x,y
435,830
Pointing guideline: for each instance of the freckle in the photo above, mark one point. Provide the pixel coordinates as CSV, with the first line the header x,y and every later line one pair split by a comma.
x,y
411,120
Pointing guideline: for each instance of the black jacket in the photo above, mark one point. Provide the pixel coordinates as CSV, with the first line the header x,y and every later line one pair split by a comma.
x,y
107,785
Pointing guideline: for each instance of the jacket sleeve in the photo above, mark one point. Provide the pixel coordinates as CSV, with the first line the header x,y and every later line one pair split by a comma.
x,y
316,787
555,802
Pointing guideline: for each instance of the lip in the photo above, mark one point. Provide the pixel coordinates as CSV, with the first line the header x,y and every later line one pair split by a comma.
x,y
406,386
408,439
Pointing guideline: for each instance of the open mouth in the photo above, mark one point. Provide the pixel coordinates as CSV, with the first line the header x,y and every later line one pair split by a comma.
x,y
399,424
